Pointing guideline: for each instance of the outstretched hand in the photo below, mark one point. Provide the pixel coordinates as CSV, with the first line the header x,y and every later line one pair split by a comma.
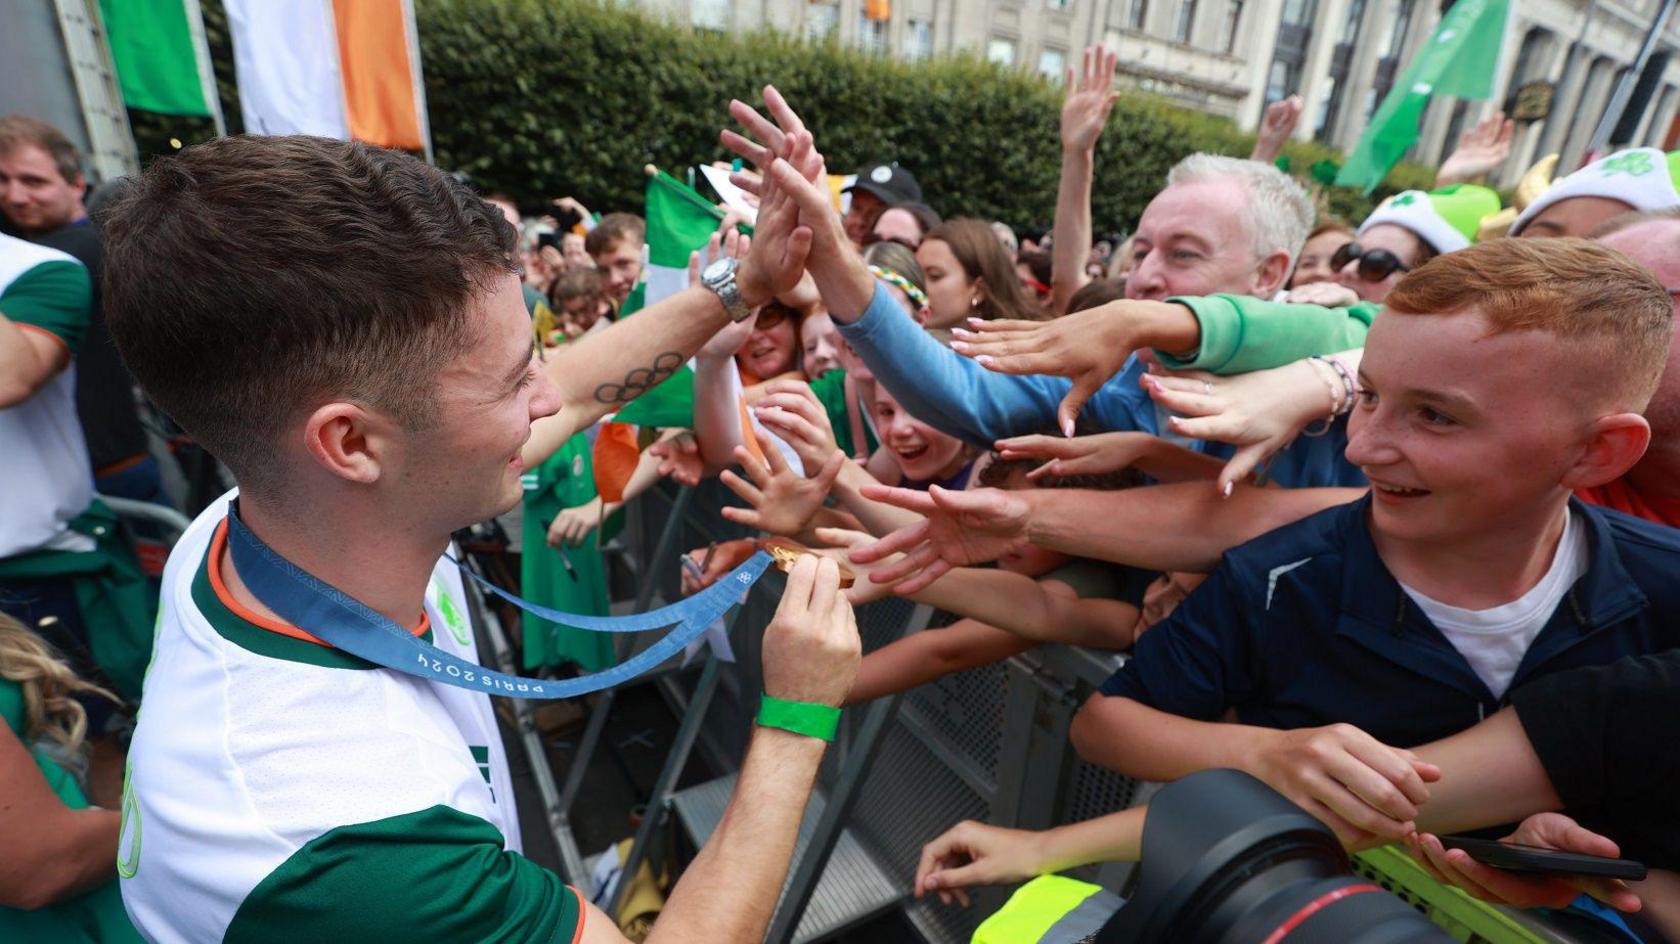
x,y
783,502
958,529
792,411
1081,455
1090,97
1259,412
1088,347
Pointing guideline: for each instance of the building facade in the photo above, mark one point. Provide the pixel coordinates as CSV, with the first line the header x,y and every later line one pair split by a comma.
x,y
1233,57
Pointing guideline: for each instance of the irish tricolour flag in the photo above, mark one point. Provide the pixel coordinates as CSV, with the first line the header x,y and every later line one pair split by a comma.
x,y
679,221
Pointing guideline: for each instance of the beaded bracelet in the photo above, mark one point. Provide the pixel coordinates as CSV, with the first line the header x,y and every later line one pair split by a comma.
x,y
1322,426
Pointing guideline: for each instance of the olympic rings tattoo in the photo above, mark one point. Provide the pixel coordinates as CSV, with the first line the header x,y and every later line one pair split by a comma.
x,y
640,380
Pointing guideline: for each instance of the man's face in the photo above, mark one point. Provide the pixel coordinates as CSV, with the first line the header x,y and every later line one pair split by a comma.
x,y
36,197
1463,433
572,251
898,226
861,216
1576,216
1655,244
1191,240
620,266
466,468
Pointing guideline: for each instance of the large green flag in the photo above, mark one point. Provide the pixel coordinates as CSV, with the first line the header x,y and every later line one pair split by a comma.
x,y
156,53
679,221
1461,58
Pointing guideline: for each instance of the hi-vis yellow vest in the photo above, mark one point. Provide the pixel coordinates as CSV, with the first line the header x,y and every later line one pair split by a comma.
x,y
1050,909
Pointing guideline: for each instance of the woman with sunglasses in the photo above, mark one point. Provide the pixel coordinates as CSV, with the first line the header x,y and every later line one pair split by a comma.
x,y
1406,231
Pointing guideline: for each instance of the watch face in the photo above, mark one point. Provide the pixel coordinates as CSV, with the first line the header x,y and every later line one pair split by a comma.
x,y
717,270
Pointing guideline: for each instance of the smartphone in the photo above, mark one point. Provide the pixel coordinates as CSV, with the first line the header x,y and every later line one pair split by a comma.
x,y
548,239
1519,858
567,219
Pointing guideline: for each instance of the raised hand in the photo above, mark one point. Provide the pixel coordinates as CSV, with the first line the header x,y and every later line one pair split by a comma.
x,y
775,261
1081,455
1088,347
1328,294
1481,150
811,647
1524,890
958,529
840,542
970,854
1358,786
770,139
783,501
1090,97
792,411
1275,128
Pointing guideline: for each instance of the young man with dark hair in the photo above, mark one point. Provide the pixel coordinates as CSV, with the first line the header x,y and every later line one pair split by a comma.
x,y
42,194
616,245
343,326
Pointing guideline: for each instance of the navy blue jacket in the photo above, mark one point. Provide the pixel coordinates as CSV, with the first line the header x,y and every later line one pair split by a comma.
x,y
1306,627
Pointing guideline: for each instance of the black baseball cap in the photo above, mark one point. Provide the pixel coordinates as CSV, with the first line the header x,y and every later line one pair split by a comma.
x,y
891,183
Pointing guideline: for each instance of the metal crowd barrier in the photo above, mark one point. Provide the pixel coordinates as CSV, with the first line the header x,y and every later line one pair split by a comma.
x,y
988,744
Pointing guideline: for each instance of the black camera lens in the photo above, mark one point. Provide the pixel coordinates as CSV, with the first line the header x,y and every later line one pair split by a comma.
x,y
1227,860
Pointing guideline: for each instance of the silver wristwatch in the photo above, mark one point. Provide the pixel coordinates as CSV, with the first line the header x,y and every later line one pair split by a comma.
x,y
720,278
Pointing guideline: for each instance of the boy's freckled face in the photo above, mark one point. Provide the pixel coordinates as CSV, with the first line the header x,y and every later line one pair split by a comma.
x,y
1461,431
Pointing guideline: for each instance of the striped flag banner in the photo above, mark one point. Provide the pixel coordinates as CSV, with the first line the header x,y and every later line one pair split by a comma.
x,y
337,68
162,60
679,221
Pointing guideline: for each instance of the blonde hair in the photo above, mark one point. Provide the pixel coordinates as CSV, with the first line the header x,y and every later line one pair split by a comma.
x,y
1585,294
50,713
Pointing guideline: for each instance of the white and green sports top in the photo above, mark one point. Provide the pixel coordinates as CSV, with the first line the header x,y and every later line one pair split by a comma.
x,y
281,790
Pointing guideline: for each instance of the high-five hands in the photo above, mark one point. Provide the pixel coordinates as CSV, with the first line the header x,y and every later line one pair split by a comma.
x,y
790,165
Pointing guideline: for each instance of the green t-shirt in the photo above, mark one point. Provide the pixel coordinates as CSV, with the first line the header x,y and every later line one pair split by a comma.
x,y
830,388
94,916
565,480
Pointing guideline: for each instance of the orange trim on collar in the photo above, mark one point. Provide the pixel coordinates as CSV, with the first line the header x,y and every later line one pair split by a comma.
x,y
218,544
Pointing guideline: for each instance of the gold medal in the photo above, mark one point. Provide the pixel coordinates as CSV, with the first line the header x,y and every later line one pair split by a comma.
x,y
785,552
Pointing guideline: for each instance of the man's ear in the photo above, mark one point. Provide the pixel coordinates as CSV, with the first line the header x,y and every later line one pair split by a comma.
x,y
1614,445
79,184
349,441
1273,272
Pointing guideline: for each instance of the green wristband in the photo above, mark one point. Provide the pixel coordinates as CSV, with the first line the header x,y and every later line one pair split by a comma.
x,y
818,721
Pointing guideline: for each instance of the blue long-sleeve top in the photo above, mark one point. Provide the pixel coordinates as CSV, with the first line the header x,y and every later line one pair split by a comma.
x,y
959,397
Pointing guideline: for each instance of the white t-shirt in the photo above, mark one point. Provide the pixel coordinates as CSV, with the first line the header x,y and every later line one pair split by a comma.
x,y
1493,640
45,477
282,790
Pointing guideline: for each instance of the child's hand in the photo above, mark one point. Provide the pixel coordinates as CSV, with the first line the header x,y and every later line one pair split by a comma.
x,y
1081,455
783,502
841,541
794,413
970,854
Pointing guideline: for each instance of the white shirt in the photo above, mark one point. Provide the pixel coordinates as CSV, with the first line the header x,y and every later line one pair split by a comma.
x,y
1493,640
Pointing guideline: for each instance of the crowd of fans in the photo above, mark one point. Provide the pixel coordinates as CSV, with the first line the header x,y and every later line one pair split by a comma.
x,y
1381,513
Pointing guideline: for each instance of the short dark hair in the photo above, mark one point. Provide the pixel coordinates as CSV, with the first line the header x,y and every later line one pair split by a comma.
x,y
574,283
250,278
613,229
19,130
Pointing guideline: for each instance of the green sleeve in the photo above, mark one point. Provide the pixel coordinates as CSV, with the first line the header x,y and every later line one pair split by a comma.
x,y
435,875
54,296
1240,334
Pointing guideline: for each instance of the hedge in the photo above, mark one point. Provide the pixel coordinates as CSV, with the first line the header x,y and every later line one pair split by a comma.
x,y
542,98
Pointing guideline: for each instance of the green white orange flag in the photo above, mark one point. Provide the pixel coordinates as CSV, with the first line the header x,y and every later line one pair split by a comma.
x,y
679,222
1460,58
337,68
162,60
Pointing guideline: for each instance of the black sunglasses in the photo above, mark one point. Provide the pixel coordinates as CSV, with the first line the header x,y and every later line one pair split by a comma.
x,y
1374,264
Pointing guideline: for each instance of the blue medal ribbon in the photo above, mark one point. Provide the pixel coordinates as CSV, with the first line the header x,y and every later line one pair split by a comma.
x,y
339,620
